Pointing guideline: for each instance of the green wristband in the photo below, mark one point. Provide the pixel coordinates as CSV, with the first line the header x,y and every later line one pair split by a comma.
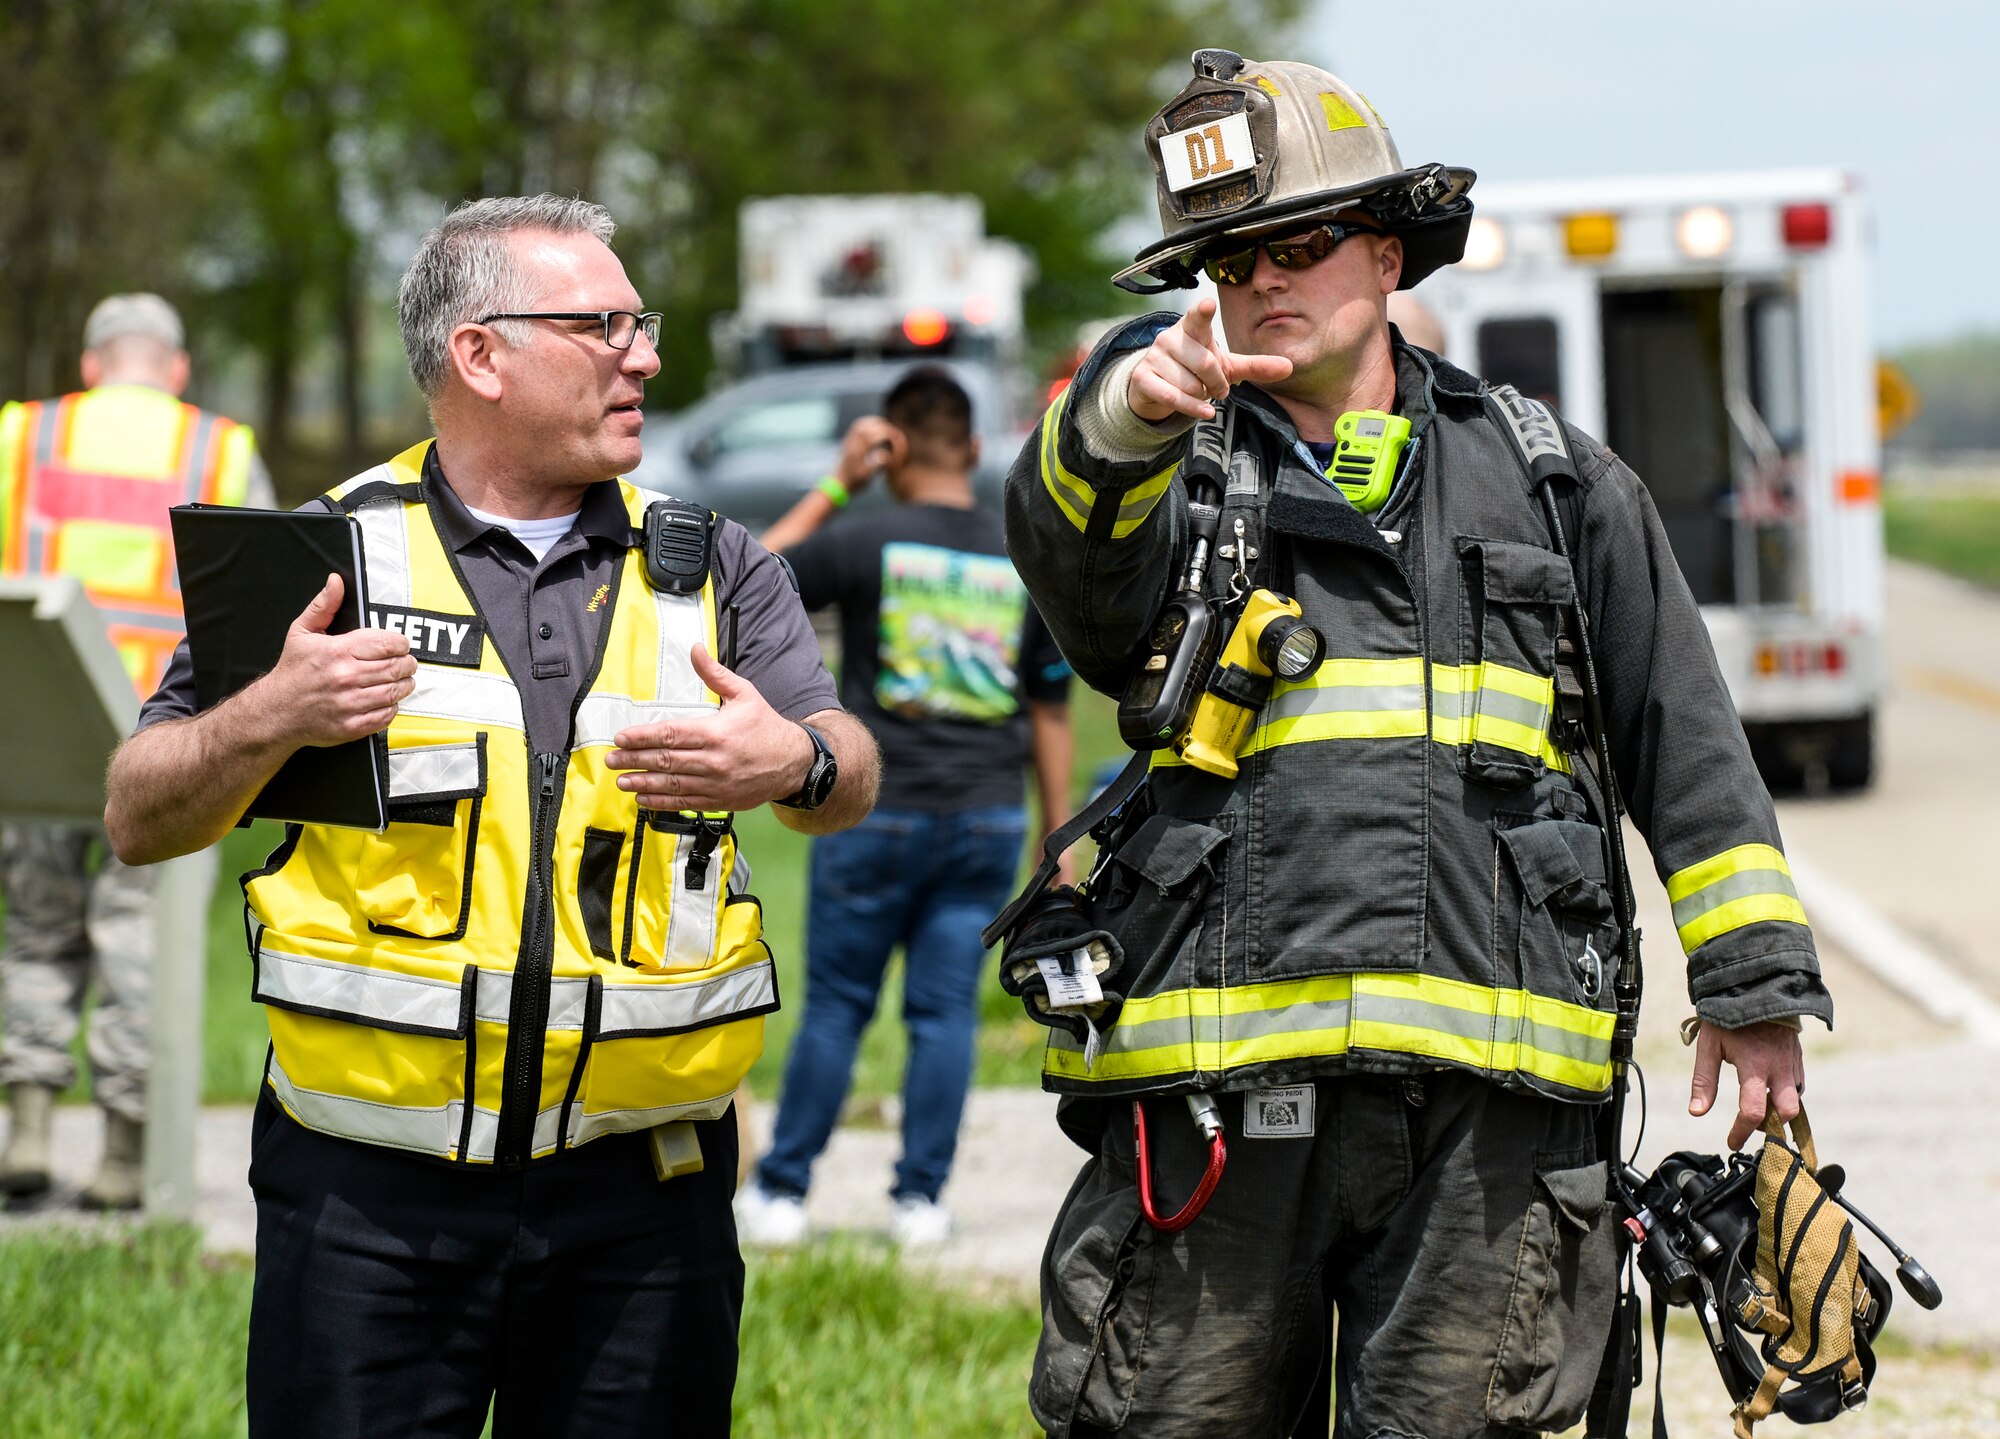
x,y
835,492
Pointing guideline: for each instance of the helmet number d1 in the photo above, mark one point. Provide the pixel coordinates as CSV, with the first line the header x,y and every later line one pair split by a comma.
x,y
1207,152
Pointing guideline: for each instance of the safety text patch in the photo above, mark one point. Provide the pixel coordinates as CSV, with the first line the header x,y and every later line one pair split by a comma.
x,y
1278,1113
438,639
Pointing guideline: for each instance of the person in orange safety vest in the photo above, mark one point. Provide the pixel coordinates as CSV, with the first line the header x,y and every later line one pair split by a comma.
x,y
85,485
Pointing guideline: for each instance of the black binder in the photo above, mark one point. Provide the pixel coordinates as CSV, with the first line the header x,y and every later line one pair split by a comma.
x,y
245,576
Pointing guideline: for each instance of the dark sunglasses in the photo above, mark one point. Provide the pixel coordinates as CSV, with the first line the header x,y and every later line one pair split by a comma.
x,y
1292,252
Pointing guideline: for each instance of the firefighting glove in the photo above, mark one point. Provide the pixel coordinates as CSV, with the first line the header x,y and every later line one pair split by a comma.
x,y
1057,940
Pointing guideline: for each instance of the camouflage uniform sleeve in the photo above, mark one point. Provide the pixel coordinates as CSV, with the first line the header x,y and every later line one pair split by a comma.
x,y
1096,539
1684,765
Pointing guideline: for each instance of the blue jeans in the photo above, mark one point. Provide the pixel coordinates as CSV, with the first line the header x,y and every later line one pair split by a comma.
x,y
928,882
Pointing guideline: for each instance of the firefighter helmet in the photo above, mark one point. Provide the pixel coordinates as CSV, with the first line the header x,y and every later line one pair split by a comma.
x,y
1255,147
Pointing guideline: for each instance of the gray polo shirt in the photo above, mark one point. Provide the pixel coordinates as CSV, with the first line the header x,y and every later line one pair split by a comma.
x,y
539,618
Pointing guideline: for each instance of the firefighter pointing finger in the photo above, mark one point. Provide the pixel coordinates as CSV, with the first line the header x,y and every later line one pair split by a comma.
x,y
1397,650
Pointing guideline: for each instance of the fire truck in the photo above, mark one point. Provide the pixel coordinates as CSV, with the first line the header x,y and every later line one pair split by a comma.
x,y
1714,331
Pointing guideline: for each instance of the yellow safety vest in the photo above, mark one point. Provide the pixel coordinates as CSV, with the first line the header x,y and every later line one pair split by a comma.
x,y
524,960
85,485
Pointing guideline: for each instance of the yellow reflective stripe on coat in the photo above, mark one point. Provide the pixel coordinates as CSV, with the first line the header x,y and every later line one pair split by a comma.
x,y
1745,885
1077,499
1498,1031
1349,699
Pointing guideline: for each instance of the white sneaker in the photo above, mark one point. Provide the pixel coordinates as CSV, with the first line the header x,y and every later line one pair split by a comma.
x,y
769,1221
920,1223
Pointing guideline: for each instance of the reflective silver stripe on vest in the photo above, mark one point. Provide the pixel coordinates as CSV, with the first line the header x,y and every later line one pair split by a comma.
x,y
192,471
477,698
569,1000
433,769
680,618
602,716
585,1127
368,996
45,452
385,544
629,1009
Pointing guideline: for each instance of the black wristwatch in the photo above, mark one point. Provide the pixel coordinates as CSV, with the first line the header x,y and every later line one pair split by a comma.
x,y
821,777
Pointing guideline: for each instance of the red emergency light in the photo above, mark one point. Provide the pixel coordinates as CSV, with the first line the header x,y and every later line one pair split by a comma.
x,y
1808,227
924,328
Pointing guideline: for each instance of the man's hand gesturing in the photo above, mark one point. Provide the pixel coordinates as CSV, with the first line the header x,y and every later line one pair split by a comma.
x,y
743,755
329,689
1190,365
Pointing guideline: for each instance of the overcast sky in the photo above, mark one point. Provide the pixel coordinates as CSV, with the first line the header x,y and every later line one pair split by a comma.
x,y
1902,95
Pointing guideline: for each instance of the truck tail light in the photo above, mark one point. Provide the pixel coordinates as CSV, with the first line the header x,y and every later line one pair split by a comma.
x,y
1802,659
1485,244
1808,227
1590,236
925,328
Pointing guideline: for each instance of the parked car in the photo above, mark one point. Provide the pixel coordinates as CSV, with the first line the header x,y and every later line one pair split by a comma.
x,y
750,449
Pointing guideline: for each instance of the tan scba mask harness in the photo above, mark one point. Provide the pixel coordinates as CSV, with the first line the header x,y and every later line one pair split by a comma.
x,y
1762,1248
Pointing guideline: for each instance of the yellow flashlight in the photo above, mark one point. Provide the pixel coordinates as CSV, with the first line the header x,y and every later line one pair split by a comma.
x,y
1271,641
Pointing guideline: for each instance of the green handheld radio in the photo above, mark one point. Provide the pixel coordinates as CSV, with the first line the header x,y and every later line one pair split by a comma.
x,y
1368,444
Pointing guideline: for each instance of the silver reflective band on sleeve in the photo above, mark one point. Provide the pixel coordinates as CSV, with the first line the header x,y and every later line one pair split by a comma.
x,y
370,996
433,769
385,544
444,692
600,717
627,1009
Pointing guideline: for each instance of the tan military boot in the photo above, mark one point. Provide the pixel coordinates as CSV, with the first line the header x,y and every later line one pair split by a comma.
x,y
24,1168
120,1181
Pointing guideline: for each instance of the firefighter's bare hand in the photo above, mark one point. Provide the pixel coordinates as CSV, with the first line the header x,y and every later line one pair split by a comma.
x,y
329,689
1189,365
1770,1073
872,444
743,755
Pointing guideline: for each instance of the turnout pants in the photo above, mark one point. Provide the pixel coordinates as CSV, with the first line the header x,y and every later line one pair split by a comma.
x,y
65,927
398,1296
1459,1229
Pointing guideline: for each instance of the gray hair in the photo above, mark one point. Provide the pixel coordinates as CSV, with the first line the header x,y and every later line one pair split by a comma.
x,y
465,268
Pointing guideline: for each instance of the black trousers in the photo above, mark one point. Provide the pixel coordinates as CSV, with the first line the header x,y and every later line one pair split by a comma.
x,y
399,1296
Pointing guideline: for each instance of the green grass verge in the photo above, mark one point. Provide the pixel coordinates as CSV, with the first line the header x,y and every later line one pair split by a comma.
x,y
1956,533
143,1336
1009,1048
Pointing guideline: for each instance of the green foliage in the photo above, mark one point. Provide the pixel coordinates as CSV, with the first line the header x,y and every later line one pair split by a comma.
x,y
143,1335
1959,534
1958,382
268,163
139,1335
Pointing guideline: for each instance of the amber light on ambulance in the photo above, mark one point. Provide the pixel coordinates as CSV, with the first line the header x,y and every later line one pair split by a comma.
x,y
1485,244
1590,236
1801,658
1704,232
925,328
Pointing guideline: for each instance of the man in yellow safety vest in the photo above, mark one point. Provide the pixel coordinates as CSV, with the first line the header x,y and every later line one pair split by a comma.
x,y
85,485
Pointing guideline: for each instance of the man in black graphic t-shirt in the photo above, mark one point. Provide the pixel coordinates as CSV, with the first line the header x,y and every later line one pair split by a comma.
x,y
947,663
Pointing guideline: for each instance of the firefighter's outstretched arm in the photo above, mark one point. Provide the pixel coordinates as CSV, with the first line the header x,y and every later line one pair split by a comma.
x,y
1095,522
1694,792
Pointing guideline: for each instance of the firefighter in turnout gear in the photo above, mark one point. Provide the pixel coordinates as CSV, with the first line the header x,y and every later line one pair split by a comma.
x,y
85,485
492,1155
1385,959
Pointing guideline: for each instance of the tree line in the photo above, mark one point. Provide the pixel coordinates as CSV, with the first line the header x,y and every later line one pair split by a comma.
x,y
268,164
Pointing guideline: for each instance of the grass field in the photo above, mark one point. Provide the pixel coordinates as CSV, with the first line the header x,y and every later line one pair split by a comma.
x,y
148,1340
1009,1044
1958,533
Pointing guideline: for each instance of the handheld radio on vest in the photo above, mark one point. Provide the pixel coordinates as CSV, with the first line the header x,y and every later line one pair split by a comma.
x,y
1159,700
680,544
1368,445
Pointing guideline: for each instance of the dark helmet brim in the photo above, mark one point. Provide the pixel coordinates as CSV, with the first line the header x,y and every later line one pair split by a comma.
x,y
1433,236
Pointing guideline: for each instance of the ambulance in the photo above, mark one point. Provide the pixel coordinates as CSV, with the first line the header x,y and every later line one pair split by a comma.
x,y
1714,331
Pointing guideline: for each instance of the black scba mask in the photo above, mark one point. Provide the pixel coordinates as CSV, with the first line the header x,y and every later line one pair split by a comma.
x,y
1760,1251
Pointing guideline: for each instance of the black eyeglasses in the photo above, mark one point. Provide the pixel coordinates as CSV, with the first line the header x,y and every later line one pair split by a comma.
x,y
1291,252
621,327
